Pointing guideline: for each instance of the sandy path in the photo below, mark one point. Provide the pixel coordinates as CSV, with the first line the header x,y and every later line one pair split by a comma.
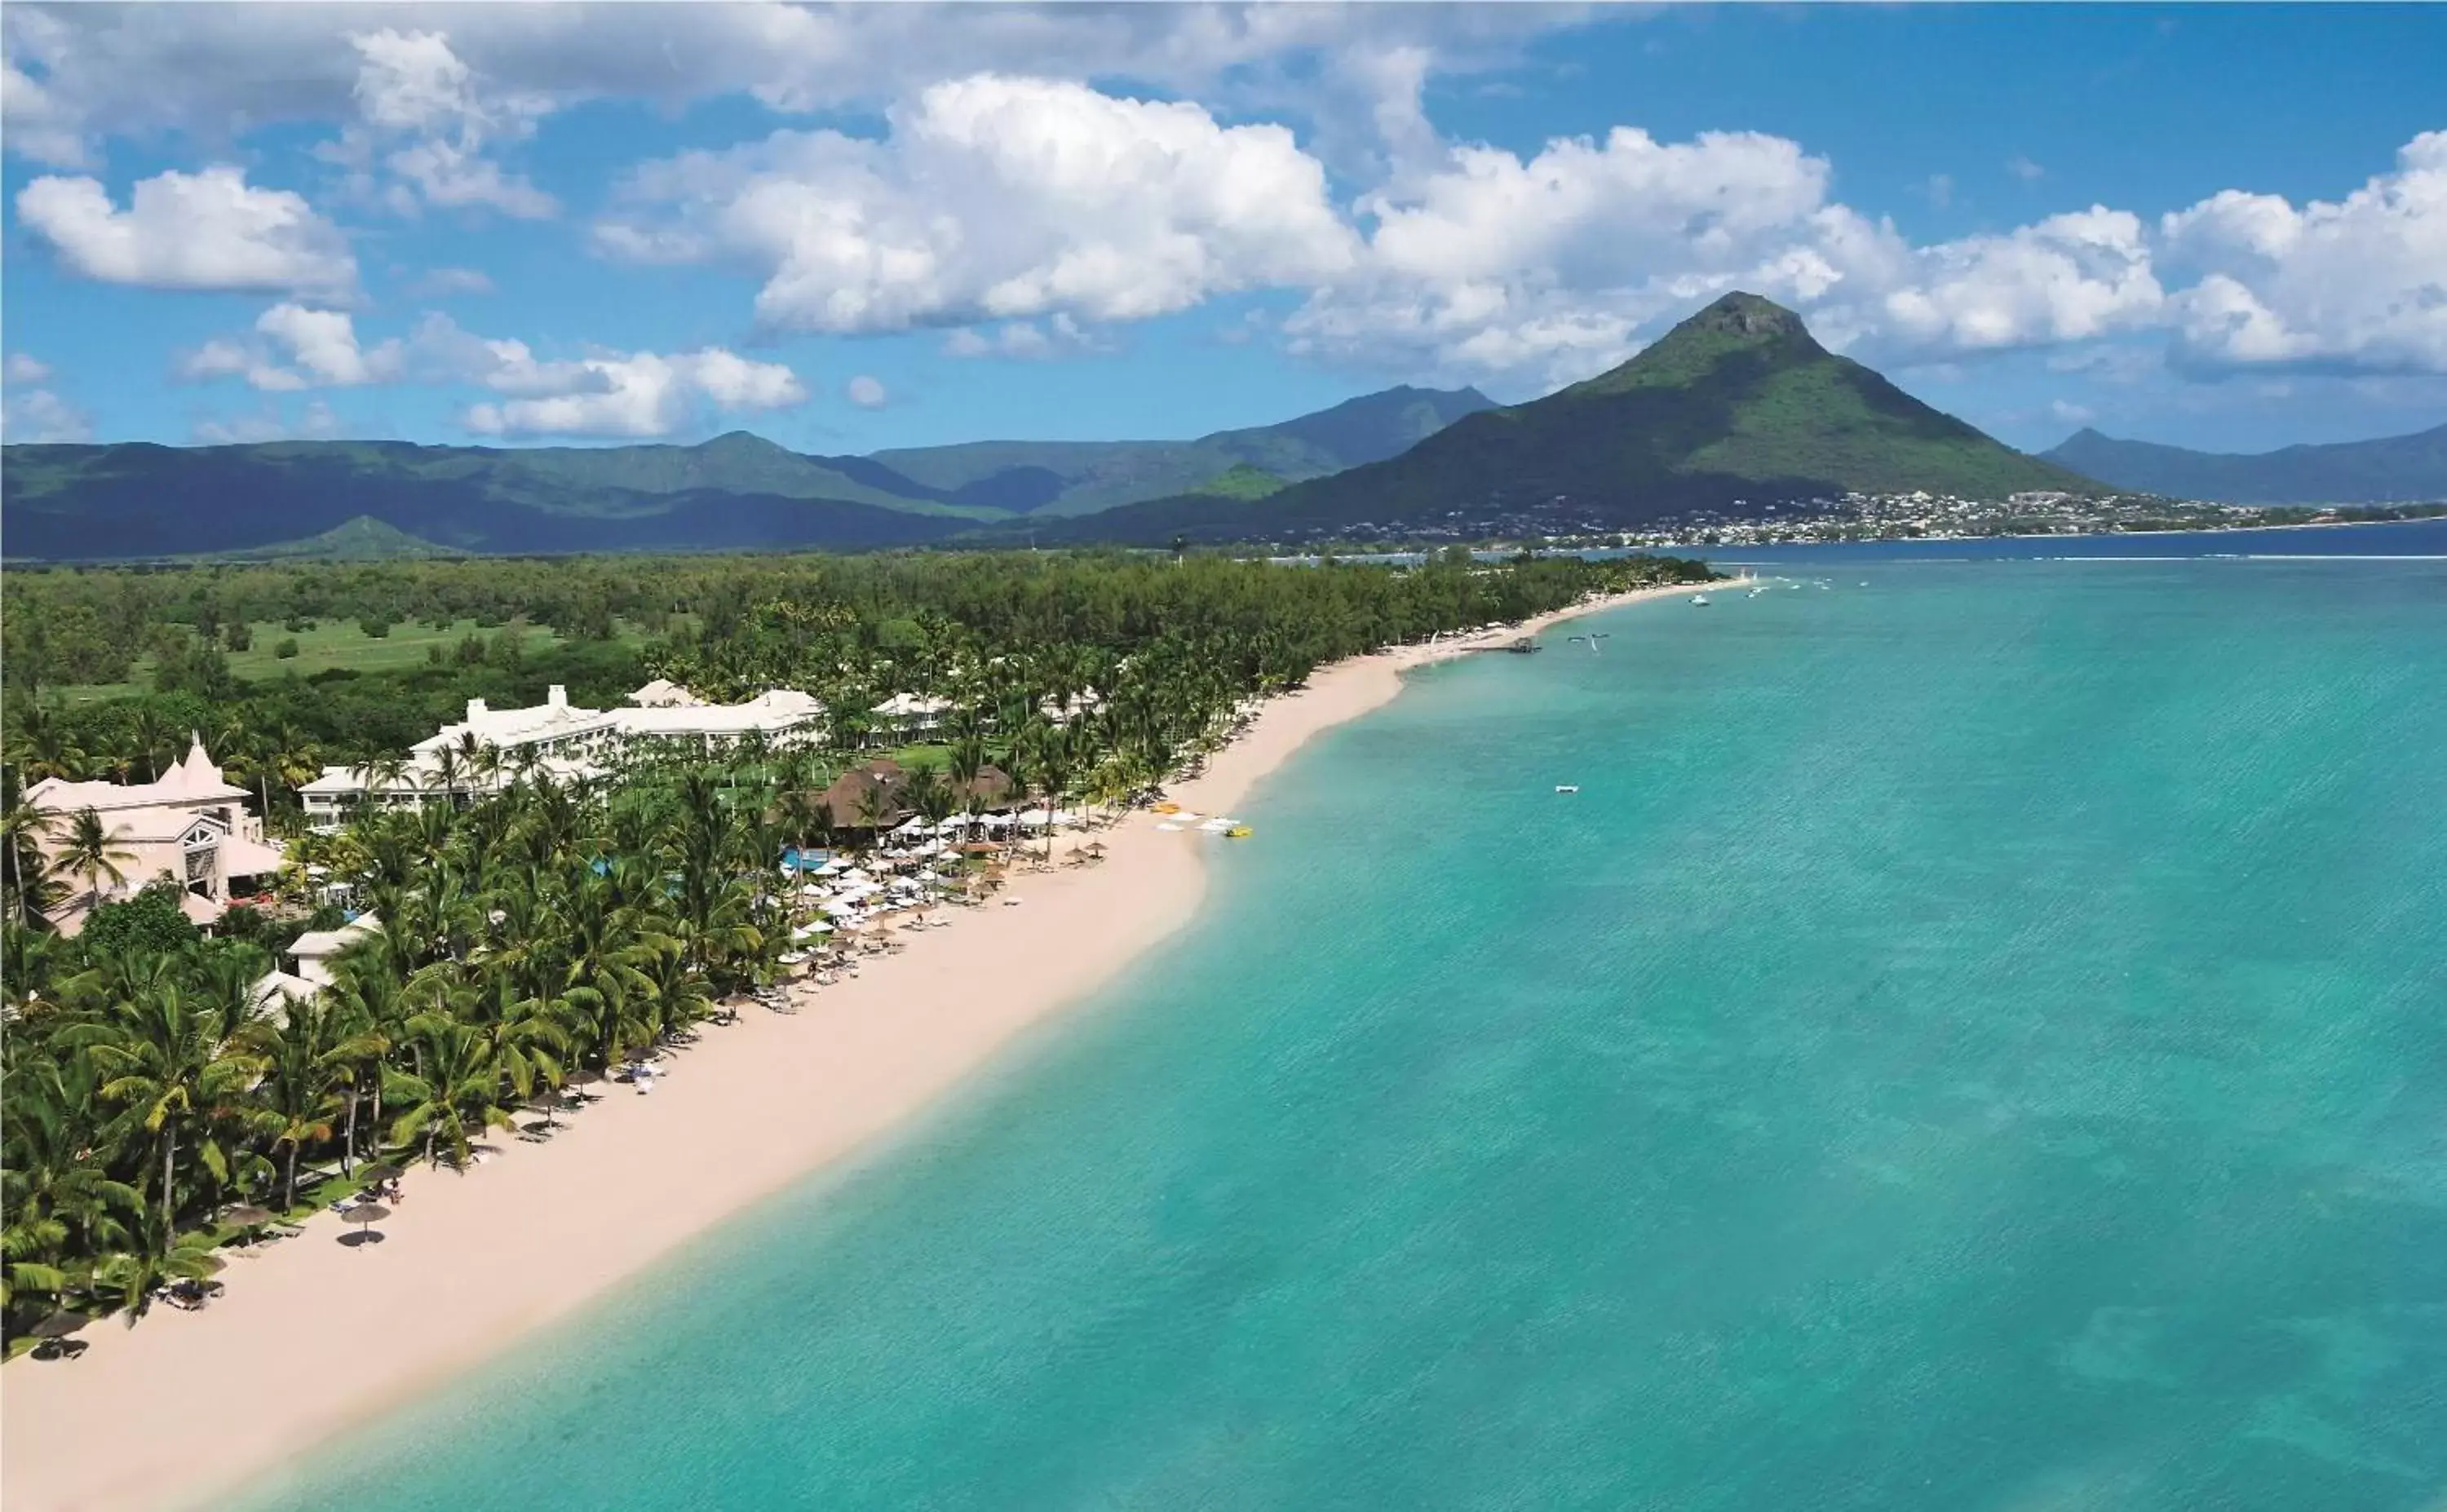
x,y
312,1338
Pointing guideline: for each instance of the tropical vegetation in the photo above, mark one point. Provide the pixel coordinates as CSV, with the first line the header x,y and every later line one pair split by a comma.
x,y
539,934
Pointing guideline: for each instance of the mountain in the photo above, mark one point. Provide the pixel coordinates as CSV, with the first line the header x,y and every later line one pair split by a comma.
x,y
1080,477
143,501
1732,410
734,492
364,538
2393,469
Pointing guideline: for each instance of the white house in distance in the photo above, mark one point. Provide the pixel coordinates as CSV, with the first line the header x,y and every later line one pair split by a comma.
x,y
487,750
189,825
907,714
313,950
274,991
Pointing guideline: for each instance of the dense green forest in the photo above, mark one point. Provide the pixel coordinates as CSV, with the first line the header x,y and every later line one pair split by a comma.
x,y
354,500
537,935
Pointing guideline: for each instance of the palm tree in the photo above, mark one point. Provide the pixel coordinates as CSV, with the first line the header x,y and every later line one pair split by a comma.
x,y
58,1200
155,733
458,1084
368,993
165,1256
449,771
291,758
43,746
91,851
876,809
23,865
171,1064
606,946
382,774
1054,769
300,1086
926,793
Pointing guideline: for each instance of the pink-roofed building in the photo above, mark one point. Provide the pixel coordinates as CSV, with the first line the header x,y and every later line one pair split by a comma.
x,y
190,826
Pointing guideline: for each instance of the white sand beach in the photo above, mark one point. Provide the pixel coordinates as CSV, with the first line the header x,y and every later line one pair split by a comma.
x,y
312,1338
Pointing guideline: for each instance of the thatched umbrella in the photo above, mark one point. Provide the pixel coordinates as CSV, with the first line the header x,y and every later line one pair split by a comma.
x,y
59,1325
365,1215
584,1077
379,1172
247,1217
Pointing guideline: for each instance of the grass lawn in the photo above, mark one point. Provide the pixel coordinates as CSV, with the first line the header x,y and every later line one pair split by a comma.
x,y
332,643
937,756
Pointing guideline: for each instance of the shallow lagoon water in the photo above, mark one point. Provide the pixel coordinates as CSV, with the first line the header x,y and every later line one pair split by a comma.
x,y
1975,1040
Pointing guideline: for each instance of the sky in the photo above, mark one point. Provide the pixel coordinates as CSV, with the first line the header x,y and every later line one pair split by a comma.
x,y
892,225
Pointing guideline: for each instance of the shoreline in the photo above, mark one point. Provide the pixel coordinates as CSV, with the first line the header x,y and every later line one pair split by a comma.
x,y
313,1339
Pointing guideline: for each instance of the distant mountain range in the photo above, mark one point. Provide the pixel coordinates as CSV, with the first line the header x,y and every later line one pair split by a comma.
x,y
1733,410
1081,477
737,491
2393,469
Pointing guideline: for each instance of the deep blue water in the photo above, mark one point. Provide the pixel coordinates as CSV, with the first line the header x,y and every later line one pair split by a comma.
x,y
1976,1040
2405,537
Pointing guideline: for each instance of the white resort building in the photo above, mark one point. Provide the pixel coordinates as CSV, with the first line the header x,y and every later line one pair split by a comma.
x,y
190,826
491,747
903,715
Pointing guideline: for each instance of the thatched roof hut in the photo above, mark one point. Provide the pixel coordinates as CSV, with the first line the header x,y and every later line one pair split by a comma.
x,y
849,799
992,787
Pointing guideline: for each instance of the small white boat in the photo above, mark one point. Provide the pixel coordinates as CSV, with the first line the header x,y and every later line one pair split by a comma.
x,y
1700,599
1567,788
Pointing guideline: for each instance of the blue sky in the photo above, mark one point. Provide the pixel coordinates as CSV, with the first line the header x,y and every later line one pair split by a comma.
x,y
850,229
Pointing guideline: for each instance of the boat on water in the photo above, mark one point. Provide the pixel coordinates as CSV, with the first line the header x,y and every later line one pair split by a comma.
x,y
1700,599
1567,788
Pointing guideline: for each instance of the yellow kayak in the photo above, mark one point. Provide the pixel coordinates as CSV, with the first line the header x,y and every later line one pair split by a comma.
x,y
1237,832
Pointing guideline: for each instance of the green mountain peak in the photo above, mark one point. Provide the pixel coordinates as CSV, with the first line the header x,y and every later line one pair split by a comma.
x,y
1733,410
1738,322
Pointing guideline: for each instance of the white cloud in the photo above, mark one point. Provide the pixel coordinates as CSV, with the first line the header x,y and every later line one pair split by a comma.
x,y
2069,414
441,283
995,198
316,421
295,347
602,393
642,394
33,410
1028,340
207,230
867,392
77,74
1015,208
2068,278
2360,282
1546,269
427,120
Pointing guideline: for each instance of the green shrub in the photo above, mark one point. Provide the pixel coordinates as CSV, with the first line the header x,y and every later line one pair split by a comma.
x,y
287,649
149,921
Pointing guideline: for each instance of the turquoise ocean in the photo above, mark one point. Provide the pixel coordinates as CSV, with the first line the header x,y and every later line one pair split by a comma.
x,y
1976,1040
